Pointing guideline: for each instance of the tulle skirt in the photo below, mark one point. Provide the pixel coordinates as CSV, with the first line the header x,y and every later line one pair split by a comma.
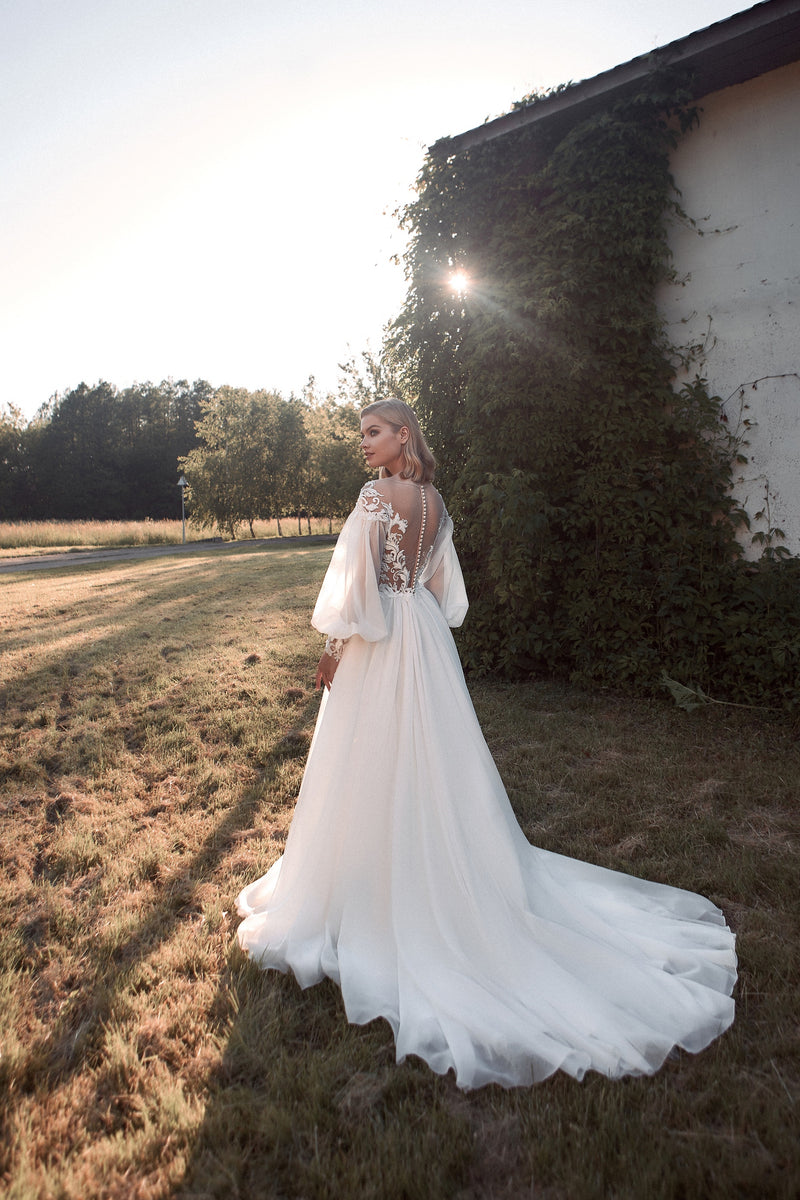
x,y
407,880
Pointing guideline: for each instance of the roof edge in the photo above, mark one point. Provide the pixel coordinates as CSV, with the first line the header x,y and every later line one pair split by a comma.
x,y
771,17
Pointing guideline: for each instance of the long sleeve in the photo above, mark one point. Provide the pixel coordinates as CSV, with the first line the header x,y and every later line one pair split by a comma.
x,y
348,602
443,577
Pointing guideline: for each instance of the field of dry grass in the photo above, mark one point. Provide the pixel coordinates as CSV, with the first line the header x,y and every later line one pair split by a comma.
x,y
29,537
155,717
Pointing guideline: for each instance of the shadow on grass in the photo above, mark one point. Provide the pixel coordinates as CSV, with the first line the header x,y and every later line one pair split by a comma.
x,y
78,1032
84,650
301,1104
305,1105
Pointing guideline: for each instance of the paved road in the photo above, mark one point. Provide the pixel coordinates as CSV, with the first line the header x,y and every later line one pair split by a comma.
x,y
75,558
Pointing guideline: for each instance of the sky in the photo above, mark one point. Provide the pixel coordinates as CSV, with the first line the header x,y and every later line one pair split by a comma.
x,y
193,189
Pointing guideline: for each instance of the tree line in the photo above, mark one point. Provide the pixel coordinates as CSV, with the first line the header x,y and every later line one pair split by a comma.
x,y
98,452
261,456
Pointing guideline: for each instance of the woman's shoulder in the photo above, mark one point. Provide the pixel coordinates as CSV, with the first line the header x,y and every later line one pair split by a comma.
x,y
395,493
377,490
372,490
373,499
394,497
391,485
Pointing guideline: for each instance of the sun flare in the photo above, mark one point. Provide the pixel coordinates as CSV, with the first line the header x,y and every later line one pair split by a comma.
x,y
459,282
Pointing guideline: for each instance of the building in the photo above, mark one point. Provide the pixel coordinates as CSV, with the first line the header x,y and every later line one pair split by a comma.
x,y
736,294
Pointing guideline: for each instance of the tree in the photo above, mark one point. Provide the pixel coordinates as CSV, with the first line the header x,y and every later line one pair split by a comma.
x,y
250,460
157,427
17,485
367,377
78,454
335,468
96,452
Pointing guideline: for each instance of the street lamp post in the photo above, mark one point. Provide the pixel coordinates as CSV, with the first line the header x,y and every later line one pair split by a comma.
x,y
182,484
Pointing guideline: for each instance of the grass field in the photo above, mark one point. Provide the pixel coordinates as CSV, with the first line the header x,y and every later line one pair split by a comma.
x,y
155,717
30,537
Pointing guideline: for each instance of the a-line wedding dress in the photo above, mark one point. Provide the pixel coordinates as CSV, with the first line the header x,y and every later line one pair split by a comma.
x,y
407,880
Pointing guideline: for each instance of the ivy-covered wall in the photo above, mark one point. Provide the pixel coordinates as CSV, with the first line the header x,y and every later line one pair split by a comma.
x,y
736,292
591,499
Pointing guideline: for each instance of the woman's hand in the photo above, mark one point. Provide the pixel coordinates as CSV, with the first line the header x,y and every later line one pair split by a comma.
x,y
326,671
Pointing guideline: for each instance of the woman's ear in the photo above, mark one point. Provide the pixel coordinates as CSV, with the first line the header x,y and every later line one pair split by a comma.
x,y
404,434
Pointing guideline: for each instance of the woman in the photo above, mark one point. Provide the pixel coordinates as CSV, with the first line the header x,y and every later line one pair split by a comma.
x,y
406,878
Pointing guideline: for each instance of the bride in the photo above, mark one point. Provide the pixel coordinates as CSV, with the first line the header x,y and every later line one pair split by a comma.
x,y
406,878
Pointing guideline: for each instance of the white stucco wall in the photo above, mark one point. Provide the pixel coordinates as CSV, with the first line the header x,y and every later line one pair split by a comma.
x,y
738,293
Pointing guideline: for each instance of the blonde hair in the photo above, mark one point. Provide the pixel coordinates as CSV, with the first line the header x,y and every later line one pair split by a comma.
x,y
418,462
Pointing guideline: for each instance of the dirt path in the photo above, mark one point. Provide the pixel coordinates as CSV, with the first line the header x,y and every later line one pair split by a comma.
x,y
76,558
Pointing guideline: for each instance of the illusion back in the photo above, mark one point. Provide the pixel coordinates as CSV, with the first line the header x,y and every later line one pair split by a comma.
x,y
412,516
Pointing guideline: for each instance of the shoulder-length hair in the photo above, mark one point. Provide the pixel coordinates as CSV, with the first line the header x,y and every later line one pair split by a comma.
x,y
419,464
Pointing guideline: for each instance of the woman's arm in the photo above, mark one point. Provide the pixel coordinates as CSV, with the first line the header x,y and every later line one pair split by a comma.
x,y
348,602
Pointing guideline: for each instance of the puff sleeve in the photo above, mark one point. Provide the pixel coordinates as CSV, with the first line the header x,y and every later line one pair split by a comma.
x,y
348,602
443,577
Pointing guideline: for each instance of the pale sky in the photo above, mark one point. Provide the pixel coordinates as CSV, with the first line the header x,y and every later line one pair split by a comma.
x,y
205,188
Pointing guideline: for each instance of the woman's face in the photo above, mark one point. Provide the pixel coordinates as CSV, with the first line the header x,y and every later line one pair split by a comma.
x,y
382,444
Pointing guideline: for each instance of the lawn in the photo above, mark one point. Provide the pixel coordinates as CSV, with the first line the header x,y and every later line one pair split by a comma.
x,y
155,718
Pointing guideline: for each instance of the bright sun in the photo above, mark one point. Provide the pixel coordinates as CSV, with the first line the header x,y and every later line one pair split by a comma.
x,y
459,282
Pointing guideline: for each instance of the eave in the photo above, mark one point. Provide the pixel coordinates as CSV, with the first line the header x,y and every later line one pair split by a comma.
x,y
742,47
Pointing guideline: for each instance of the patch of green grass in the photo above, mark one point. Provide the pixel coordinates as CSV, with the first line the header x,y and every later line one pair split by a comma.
x,y
154,722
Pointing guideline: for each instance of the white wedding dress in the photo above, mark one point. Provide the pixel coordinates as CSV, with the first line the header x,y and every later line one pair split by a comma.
x,y
407,880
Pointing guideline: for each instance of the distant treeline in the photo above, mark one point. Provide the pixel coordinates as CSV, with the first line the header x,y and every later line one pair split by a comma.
x,y
97,452
103,453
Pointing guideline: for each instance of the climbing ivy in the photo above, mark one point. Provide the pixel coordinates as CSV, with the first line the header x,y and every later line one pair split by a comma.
x,y
591,499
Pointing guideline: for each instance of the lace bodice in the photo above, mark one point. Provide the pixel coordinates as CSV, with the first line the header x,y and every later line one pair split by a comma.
x,y
396,543
401,571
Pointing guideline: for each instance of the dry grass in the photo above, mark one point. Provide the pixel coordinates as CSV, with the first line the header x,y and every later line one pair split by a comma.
x,y
27,537
154,723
